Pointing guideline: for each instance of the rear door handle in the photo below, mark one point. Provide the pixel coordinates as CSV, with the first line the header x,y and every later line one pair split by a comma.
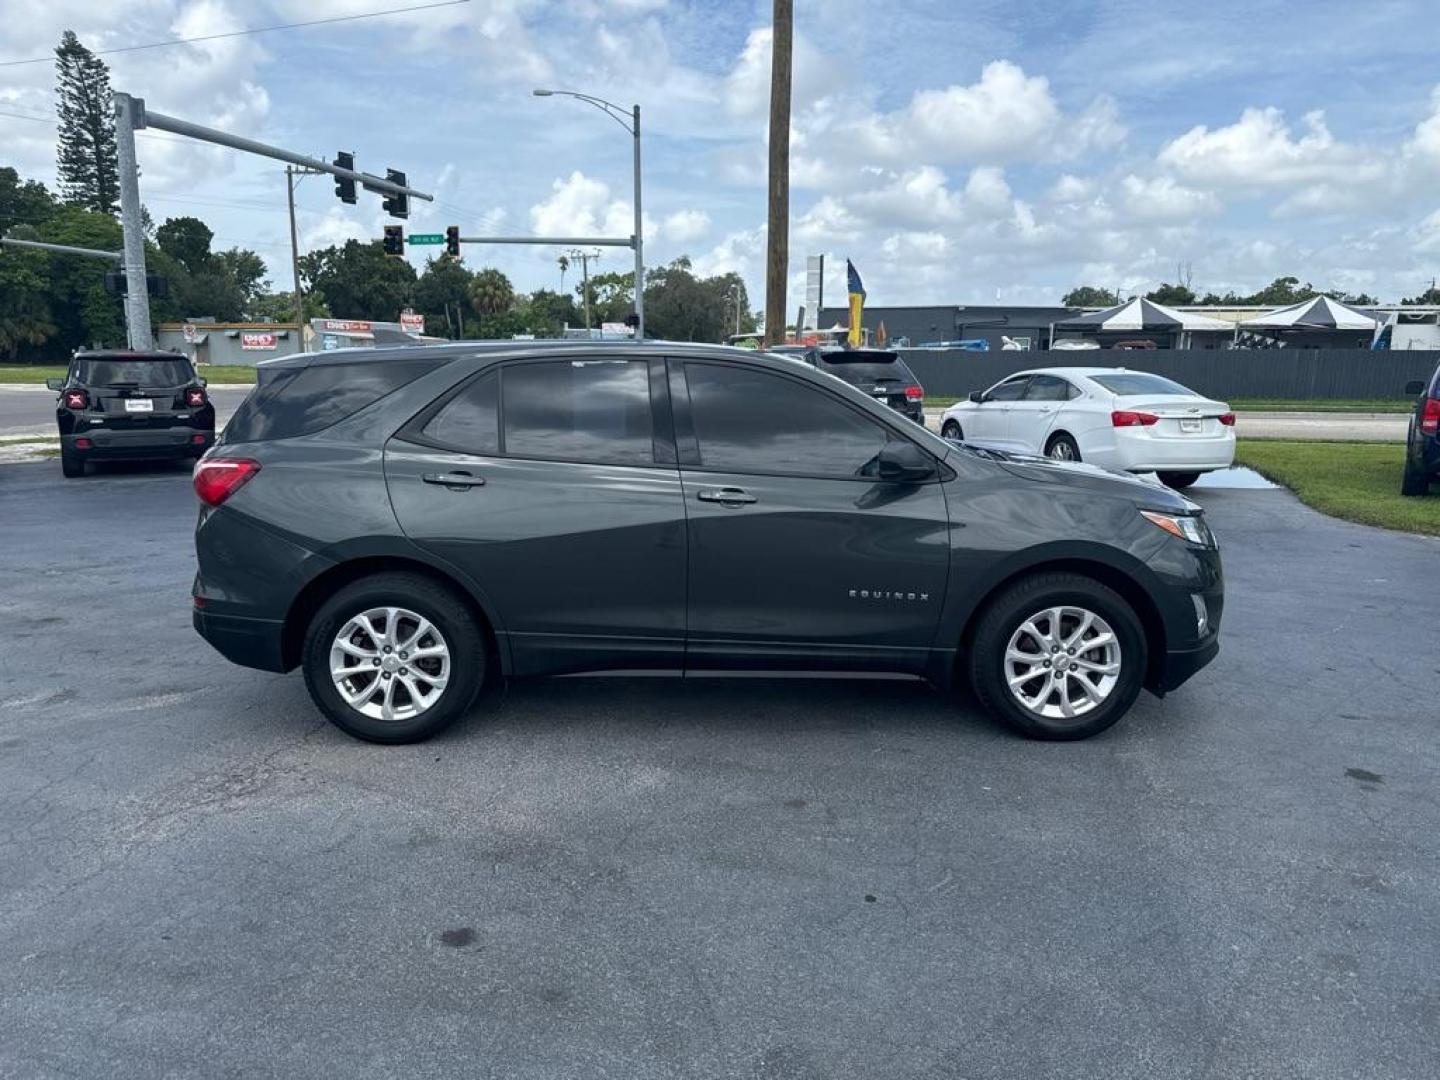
x,y
453,479
726,496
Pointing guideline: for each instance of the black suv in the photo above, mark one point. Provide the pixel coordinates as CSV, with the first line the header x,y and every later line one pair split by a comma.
x,y
131,405
880,373
405,524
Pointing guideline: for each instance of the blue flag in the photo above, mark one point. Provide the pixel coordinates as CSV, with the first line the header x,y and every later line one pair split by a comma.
x,y
854,285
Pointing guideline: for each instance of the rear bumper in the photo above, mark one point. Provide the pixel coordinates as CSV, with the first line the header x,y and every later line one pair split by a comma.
x,y
253,643
174,442
1137,451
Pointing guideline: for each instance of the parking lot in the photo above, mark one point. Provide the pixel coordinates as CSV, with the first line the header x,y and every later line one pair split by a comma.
x,y
751,878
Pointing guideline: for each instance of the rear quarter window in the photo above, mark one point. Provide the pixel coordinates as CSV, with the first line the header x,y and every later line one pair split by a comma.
x,y
304,400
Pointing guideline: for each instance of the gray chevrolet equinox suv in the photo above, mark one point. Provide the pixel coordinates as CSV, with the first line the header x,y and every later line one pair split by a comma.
x,y
407,524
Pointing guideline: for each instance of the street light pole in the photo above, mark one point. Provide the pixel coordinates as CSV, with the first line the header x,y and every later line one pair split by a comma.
x,y
630,121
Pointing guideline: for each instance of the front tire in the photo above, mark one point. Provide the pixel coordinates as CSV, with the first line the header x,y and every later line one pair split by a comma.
x,y
951,430
1058,656
393,658
1178,480
71,465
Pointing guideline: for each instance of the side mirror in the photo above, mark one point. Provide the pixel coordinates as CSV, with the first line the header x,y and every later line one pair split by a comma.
x,y
977,396
54,384
902,462
1414,389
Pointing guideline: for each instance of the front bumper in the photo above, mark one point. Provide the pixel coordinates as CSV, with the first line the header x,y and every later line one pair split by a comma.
x,y
1180,664
97,443
253,643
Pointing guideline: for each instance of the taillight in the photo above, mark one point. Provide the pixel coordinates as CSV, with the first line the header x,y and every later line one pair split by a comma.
x,y
77,399
914,393
1228,419
194,397
1126,418
1430,418
216,479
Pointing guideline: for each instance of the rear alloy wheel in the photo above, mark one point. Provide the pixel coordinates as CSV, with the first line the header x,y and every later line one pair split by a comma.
x,y
1058,656
71,465
1062,448
951,430
393,658
1412,481
1178,480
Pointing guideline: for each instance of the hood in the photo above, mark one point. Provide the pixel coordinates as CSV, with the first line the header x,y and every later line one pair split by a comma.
x,y
1082,477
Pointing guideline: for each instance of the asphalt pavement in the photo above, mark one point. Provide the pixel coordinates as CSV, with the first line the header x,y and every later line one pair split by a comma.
x,y
621,877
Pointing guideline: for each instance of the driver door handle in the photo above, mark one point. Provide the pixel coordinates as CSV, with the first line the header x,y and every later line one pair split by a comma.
x,y
453,479
729,496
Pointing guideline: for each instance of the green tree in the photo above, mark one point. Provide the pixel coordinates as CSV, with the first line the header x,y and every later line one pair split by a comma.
x,y
612,297
547,314
246,270
280,306
1171,294
86,159
442,295
187,241
359,281
27,203
682,307
1090,296
491,292
25,315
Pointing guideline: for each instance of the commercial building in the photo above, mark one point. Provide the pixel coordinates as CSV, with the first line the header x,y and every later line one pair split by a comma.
x,y
950,323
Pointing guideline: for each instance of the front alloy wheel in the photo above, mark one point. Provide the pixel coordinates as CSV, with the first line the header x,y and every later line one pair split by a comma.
x,y
1062,662
1058,656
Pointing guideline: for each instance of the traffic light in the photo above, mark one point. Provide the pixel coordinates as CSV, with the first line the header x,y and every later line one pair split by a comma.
x,y
345,187
452,241
395,241
397,205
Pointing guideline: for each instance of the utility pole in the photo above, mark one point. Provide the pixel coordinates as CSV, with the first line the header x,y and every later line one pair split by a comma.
x,y
778,240
137,295
292,171
585,257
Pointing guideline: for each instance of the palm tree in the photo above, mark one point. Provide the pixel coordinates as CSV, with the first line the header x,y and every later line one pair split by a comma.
x,y
564,262
491,292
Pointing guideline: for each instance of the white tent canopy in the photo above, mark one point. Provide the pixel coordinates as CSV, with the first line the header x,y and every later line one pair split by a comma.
x,y
1142,314
1317,313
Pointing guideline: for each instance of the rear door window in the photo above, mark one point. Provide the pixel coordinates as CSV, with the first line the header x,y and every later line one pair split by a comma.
x,y
1047,388
304,400
590,411
470,421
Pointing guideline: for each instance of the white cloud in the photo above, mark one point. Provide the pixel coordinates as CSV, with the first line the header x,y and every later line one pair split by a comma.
x,y
581,206
683,226
1160,198
1259,151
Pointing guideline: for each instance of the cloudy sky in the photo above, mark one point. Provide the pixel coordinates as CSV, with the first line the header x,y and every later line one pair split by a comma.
x,y
956,150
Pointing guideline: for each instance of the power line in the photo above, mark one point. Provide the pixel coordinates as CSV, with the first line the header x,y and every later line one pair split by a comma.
x,y
255,30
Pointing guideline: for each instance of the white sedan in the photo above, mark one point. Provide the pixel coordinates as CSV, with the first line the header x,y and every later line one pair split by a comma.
x,y
1130,421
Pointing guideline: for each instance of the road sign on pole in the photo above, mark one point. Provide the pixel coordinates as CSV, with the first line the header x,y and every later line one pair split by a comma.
x,y
426,238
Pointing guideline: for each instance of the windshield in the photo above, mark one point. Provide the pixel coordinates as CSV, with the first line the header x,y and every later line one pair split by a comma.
x,y
1139,384
140,371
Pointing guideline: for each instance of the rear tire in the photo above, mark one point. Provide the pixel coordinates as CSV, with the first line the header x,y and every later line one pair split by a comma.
x,y
337,638
1062,448
1113,668
951,430
71,465
1178,480
1413,481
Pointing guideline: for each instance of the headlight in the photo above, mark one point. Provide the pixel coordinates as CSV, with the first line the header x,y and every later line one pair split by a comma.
x,y
1183,526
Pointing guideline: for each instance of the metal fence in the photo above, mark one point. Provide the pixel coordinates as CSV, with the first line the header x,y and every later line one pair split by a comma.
x,y
1217,373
